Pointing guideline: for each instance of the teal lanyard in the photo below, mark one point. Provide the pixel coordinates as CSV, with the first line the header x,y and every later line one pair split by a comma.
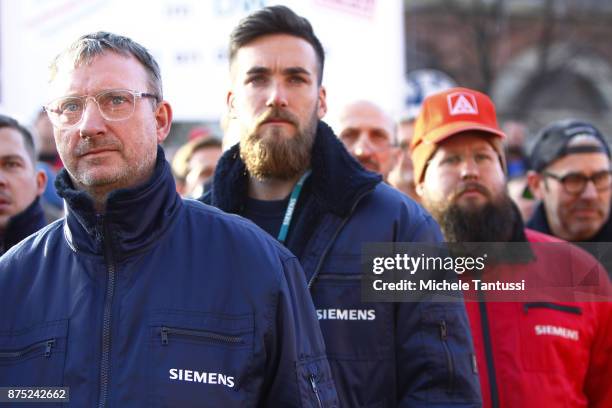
x,y
295,194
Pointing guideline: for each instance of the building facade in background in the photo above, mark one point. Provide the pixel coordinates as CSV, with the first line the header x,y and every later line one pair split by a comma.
x,y
540,60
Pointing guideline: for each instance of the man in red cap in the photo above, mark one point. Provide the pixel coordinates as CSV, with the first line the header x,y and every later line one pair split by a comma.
x,y
453,125
530,353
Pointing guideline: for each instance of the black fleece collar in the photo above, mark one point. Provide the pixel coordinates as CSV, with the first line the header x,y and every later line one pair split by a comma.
x,y
23,225
134,217
538,220
518,229
337,179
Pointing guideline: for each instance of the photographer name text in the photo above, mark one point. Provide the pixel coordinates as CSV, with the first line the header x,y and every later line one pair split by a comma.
x,y
444,285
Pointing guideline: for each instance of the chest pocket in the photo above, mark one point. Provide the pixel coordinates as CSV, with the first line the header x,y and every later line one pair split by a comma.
x,y
34,356
199,360
359,336
344,317
553,337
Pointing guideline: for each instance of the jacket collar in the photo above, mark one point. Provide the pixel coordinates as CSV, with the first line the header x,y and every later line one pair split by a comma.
x,y
539,223
337,180
538,220
23,224
518,229
134,217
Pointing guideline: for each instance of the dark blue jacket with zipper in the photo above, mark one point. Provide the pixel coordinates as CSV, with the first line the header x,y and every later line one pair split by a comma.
x,y
160,302
23,224
381,354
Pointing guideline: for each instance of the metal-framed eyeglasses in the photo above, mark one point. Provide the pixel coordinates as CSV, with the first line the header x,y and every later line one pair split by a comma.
x,y
575,183
113,104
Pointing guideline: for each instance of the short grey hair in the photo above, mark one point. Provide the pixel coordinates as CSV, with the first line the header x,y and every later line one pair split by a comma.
x,y
89,46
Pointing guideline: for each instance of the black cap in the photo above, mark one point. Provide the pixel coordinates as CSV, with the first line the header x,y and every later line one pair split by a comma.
x,y
552,142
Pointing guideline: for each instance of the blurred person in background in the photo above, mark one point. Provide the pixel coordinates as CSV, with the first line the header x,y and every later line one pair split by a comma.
x,y
48,161
572,176
194,164
401,175
420,84
518,164
537,353
21,185
368,133
45,143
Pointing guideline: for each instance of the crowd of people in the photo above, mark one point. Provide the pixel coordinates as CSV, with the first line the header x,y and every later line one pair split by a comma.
x,y
235,278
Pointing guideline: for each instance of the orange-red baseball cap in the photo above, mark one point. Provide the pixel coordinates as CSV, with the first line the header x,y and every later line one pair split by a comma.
x,y
449,113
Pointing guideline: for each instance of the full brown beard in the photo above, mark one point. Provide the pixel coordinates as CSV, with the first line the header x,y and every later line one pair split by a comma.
x,y
273,155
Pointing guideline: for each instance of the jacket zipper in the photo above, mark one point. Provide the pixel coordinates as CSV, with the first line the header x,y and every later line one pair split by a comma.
x,y
486,334
108,303
47,344
449,357
313,383
339,277
553,306
333,239
165,331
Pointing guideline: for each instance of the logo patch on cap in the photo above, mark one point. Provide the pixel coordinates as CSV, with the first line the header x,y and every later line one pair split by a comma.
x,y
461,103
579,130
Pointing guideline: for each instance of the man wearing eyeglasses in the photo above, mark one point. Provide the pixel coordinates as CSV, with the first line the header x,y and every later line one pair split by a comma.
x,y
368,133
571,175
137,297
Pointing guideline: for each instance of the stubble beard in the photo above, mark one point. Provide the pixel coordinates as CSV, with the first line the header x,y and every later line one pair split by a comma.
x,y
273,155
121,177
98,186
581,230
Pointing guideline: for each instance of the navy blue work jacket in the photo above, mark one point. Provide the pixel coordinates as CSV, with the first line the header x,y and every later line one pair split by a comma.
x,y
381,354
160,302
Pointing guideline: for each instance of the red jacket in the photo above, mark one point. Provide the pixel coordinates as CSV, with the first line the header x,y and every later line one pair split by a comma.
x,y
544,354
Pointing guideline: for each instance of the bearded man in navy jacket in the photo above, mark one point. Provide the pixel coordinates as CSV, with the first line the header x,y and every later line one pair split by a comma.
x,y
292,176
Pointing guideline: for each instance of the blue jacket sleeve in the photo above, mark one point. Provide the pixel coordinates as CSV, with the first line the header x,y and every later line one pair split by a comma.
x,y
298,372
434,350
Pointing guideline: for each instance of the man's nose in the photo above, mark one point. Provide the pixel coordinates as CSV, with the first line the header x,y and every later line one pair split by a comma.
x,y
277,96
589,192
469,169
362,146
92,122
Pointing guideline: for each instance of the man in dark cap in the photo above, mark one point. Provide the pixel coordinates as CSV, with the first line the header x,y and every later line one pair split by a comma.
x,y
571,175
